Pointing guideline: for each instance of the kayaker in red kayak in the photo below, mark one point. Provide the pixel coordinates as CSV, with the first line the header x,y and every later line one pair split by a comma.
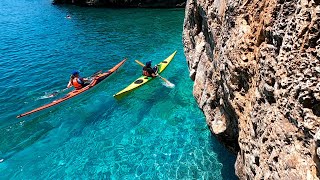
x,y
94,79
76,81
149,71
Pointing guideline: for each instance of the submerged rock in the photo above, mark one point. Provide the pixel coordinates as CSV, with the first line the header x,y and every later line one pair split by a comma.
x,y
255,66
125,3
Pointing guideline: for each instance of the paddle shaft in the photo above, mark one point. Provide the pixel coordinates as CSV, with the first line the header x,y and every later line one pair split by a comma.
x,y
59,91
140,63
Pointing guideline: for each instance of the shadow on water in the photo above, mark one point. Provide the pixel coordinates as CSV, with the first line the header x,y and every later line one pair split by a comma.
x,y
226,158
17,137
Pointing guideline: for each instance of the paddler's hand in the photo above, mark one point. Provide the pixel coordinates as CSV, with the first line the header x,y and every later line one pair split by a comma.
x,y
69,85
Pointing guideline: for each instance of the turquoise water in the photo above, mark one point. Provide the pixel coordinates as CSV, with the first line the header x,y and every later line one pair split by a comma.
x,y
153,133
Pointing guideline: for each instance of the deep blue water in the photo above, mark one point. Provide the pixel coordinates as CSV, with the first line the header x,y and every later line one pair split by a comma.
x,y
153,133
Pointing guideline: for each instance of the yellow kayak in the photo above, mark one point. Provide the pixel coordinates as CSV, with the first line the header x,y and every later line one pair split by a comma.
x,y
144,79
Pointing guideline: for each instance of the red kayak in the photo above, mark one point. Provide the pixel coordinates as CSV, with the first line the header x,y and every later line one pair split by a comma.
x,y
96,79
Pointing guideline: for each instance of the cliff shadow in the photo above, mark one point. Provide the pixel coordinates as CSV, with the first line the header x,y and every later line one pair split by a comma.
x,y
225,157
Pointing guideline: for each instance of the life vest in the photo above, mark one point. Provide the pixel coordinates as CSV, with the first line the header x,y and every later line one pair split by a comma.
x,y
145,72
76,82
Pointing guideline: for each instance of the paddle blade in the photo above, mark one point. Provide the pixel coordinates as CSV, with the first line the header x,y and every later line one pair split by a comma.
x,y
52,94
168,84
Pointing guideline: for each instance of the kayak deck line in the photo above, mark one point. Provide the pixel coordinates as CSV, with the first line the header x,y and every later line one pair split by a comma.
x,y
95,80
144,79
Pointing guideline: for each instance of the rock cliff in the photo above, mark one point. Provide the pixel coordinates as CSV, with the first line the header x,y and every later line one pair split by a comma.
x,y
256,71
125,3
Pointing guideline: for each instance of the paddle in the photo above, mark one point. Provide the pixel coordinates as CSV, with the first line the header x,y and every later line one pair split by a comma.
x,y
164,79
54,93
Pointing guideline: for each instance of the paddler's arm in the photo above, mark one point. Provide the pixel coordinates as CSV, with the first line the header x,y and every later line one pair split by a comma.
x,y
70,82
154,75
85,80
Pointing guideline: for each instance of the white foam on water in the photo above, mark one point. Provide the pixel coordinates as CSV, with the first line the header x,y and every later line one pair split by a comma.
x,y
169,85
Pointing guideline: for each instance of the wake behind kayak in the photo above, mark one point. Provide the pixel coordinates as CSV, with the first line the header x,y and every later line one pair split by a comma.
x,y
96,80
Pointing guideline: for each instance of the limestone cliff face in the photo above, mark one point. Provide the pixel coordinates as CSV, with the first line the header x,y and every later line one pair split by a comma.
x,y
125,3
256,71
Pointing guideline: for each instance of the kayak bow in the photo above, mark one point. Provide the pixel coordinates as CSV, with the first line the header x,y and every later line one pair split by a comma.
x,y
144,79
96,80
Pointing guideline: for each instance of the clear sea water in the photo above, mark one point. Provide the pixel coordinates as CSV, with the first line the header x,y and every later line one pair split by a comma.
x,y
153,133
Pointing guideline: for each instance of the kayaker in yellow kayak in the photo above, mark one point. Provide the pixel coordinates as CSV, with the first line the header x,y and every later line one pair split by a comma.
x,y
149,71
76,81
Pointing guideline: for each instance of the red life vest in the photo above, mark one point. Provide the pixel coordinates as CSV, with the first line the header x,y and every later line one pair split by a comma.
x,y
145,73
76,84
